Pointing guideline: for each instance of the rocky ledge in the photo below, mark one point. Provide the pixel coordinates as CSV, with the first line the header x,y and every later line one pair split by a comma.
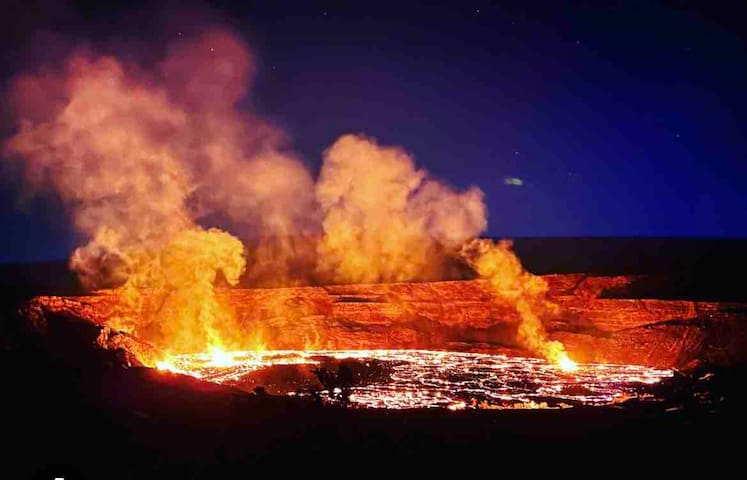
x,y
461,315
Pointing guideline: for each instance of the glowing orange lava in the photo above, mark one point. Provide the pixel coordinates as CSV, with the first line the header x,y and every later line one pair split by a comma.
x,y
220,358
426,379
566,364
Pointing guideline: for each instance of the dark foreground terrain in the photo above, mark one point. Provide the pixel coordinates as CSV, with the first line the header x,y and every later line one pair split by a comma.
x,y
93,418
109,422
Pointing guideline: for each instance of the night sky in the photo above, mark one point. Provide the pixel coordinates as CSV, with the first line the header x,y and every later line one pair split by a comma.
x,y
598,119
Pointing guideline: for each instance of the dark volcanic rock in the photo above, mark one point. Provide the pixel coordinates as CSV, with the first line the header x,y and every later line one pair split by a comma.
x,y
73,337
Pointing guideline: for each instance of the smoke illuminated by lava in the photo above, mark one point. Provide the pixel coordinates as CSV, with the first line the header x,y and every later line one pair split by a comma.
x,y
139,156
385,220
497,263
148,157
184,313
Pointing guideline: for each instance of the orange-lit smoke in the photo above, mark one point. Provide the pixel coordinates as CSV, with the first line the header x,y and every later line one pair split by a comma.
x,y
170,299
241,164
385,220
139,156
143,157
497,263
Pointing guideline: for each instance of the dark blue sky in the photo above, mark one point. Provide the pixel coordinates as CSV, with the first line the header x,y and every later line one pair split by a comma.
x,y
621,118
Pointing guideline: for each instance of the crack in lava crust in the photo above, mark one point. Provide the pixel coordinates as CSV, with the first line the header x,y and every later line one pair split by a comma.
x,y
424,379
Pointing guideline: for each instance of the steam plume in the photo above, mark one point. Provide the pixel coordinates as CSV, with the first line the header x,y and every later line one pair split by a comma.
x,y
140,155
144,156
497,263
384,219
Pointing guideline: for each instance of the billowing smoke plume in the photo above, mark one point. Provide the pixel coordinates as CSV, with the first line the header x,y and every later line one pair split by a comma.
x,y
143,158
385,220
139,156
497,263
170,299
241,167
95,138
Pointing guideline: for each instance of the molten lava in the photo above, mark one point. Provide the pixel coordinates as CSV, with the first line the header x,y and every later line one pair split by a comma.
x,y
566,364
425,379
